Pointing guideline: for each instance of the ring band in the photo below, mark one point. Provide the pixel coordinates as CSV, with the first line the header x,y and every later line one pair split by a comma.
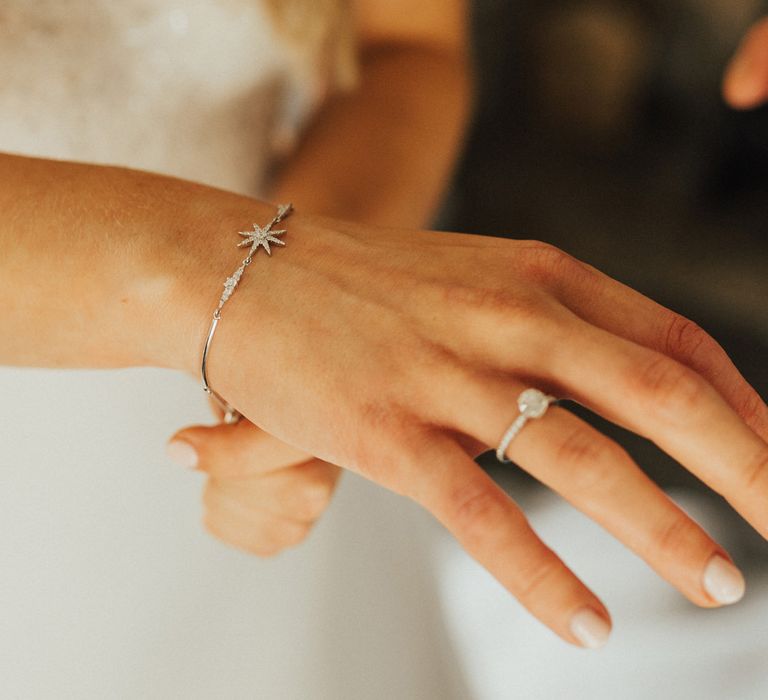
x,y
532,403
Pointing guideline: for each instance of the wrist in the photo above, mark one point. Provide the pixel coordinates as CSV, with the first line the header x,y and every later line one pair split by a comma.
x,y
198,254
261,326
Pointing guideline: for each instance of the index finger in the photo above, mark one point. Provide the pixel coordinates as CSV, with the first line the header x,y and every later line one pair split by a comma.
x,y
627,313
675,407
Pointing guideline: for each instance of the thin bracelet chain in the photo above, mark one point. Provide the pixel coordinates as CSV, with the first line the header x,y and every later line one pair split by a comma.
x,y
258,237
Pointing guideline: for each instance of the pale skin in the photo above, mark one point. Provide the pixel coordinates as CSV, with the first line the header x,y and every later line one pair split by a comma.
x,y
414,344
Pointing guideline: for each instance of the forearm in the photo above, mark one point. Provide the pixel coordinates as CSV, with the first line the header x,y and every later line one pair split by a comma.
x,y
383,154
110,267
93,260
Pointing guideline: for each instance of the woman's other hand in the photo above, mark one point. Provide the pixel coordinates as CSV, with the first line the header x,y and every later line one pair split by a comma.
x,y
261,495
746,79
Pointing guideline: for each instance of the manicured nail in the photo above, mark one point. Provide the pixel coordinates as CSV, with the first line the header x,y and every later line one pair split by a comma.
x,y
723,581
182,453
590,629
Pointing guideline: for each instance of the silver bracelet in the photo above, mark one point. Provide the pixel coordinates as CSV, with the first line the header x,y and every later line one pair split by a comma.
x,y
259,237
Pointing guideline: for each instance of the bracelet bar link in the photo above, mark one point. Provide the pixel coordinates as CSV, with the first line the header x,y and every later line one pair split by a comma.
x,y
258,237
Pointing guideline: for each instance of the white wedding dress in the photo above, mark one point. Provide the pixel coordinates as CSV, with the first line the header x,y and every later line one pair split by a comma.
x,y
110,588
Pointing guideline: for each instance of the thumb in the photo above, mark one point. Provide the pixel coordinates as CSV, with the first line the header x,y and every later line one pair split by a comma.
x,y
746,79
231,450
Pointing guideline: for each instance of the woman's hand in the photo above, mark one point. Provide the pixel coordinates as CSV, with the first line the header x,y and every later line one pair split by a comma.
x,y
261,495
746,80
400,355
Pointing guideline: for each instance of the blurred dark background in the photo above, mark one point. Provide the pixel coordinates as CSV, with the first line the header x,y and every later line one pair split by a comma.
x,y
600,128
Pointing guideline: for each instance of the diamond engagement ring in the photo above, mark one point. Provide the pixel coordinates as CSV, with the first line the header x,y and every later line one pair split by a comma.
x,y
532,404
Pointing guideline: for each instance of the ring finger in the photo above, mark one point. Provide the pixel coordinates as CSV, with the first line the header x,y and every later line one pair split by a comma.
x,y
600,479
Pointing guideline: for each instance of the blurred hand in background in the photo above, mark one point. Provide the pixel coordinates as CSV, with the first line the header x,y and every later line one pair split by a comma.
x,y
746,79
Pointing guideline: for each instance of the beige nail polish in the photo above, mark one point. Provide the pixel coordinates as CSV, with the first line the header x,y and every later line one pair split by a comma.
x,y
591,629
182,453
723,581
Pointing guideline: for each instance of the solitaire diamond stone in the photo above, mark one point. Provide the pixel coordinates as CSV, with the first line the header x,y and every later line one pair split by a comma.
x,y
533,403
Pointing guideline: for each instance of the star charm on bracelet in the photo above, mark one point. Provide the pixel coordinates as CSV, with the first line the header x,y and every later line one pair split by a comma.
x,y
260,236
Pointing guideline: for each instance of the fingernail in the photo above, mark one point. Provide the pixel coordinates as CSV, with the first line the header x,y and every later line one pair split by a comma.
x,y
590,629
182,453
723,581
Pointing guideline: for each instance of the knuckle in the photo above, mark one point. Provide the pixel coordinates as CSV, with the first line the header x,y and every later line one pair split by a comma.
x,y
594,460
672,388
473,506
311,502
318,497
293,533
381,448
582,447
687,338
536,579
548,264
676,536
258,541
752,409
379,416
756,471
